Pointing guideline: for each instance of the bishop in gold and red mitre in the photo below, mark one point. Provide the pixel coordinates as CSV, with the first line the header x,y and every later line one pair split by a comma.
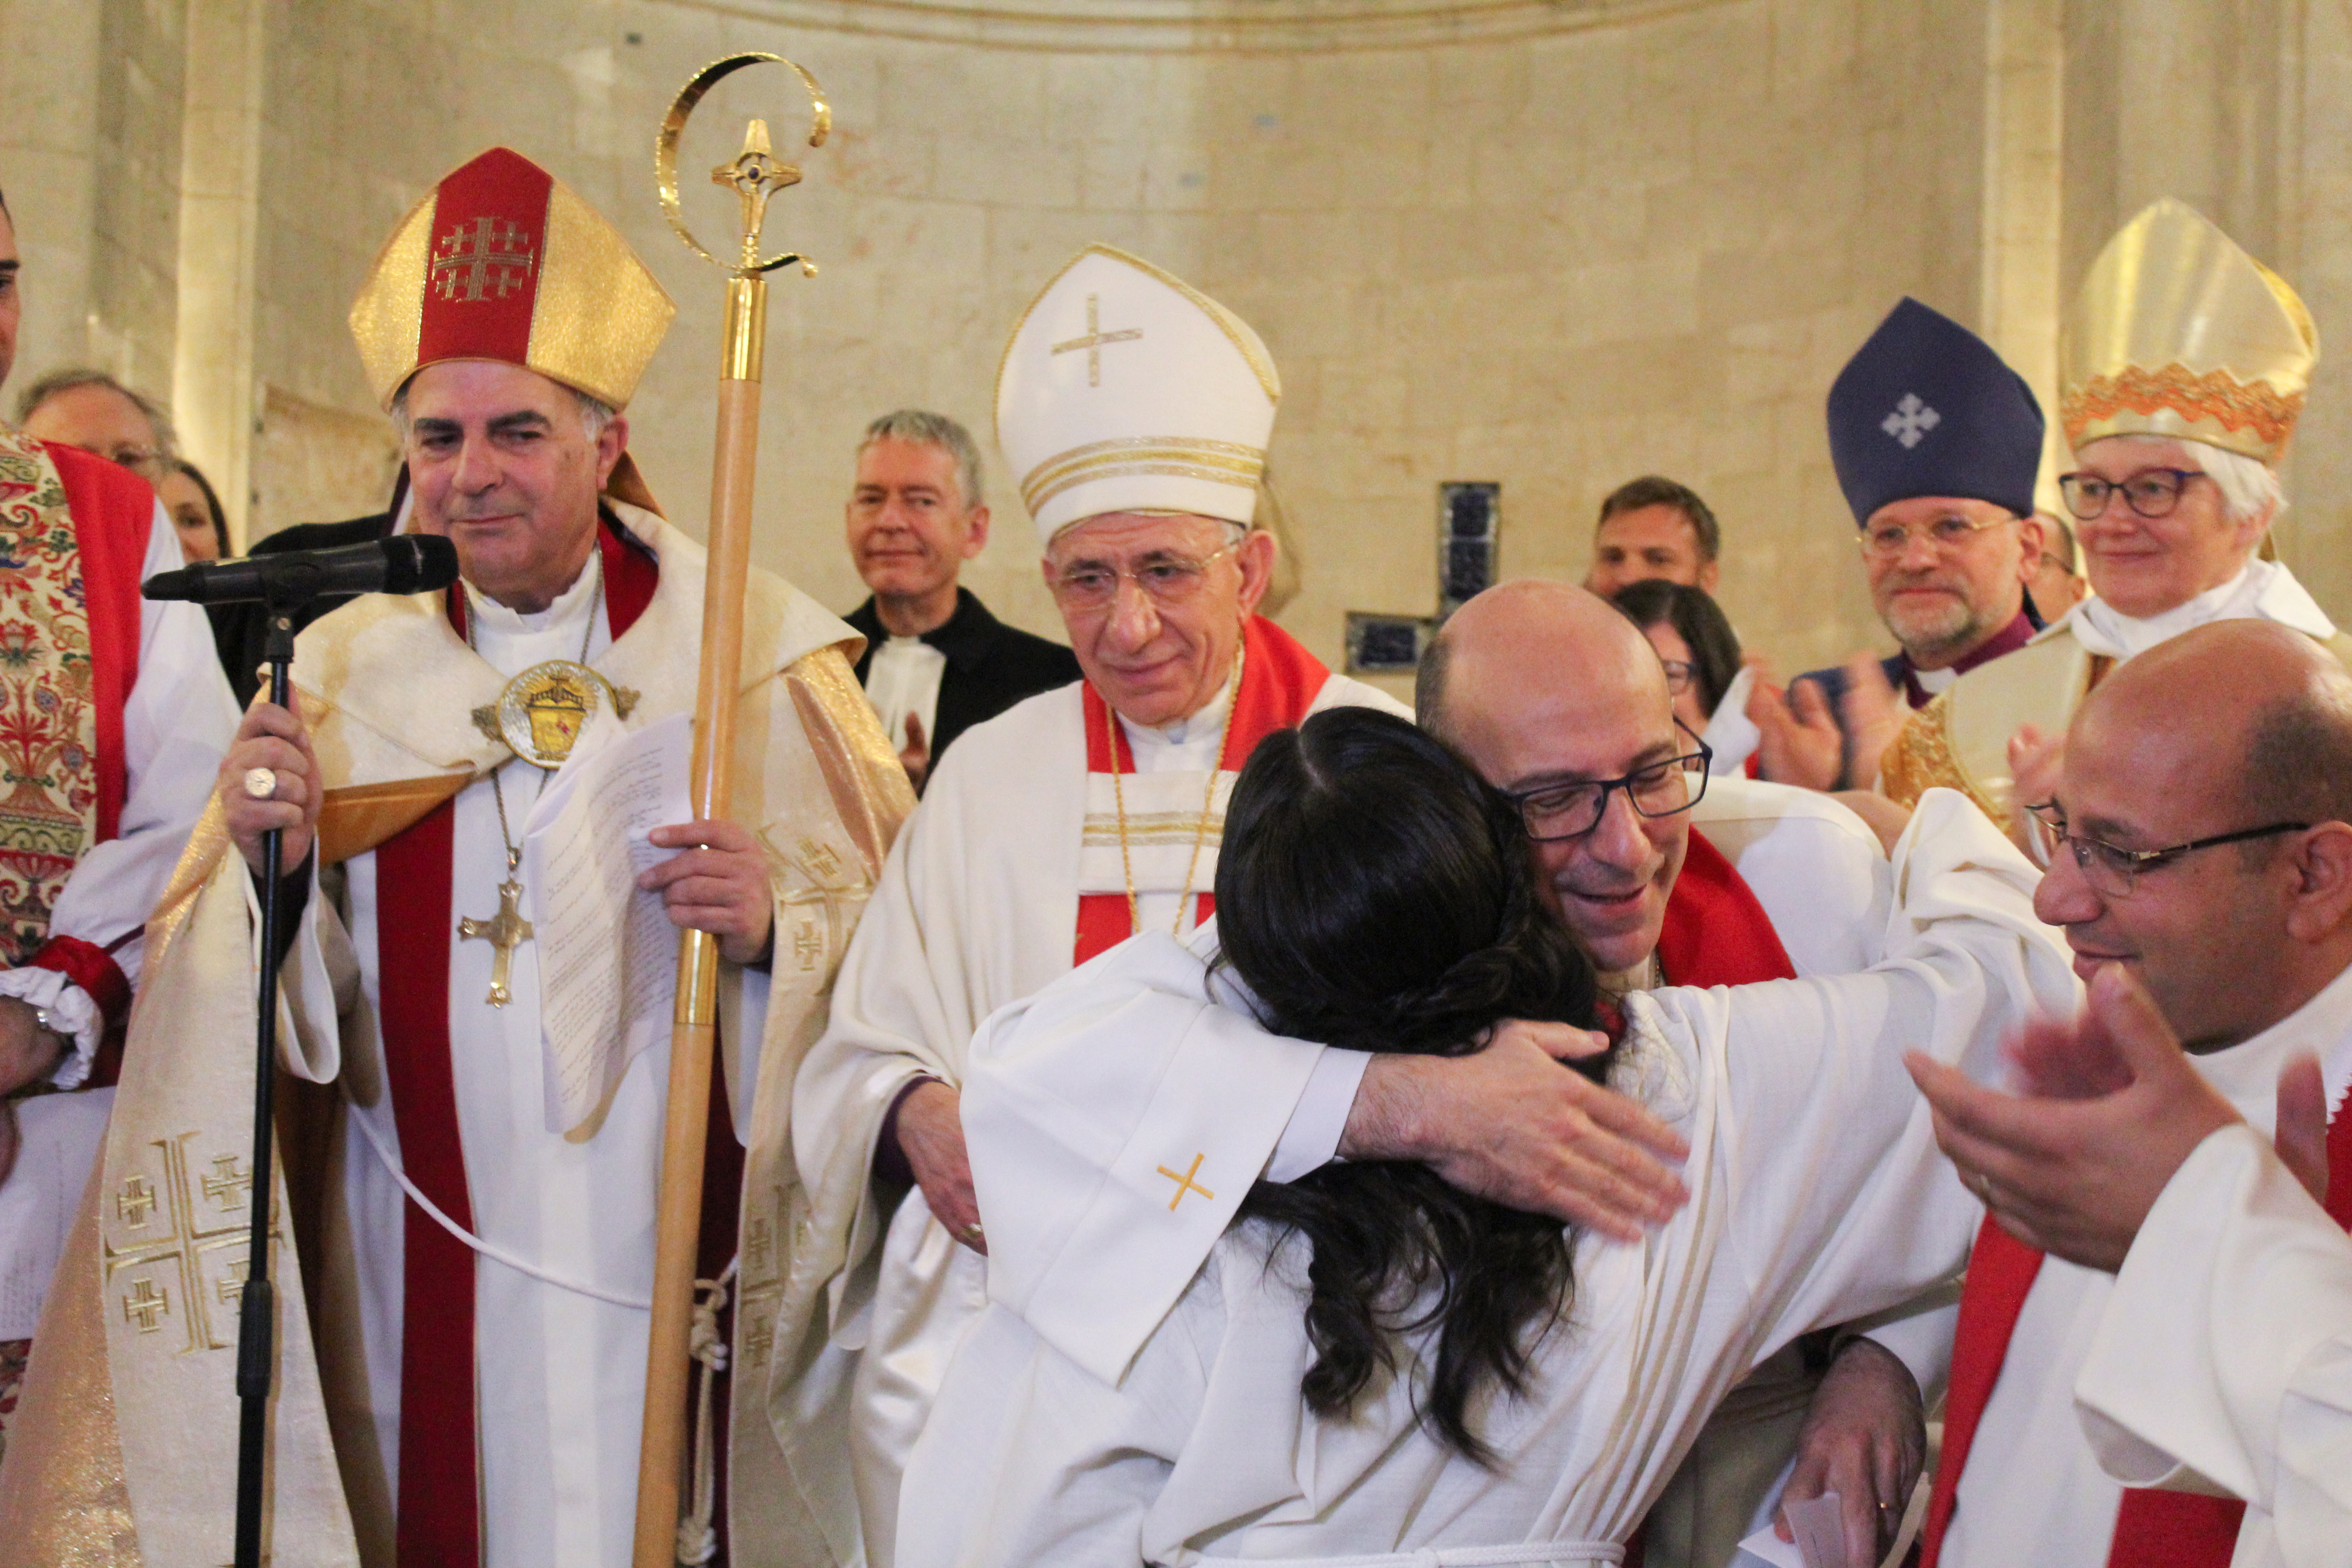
x,y
2177,332
504,261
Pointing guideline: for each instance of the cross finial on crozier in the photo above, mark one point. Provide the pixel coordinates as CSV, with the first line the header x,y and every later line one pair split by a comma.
x,y
755,174
505,932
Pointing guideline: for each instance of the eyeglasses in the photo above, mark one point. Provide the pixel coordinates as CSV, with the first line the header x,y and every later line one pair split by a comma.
x,y
1562,810
2151,492
1889,541
1165,579
1679,675
2113,872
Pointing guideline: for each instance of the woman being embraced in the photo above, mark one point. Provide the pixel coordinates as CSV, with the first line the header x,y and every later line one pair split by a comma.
x,y
1371,1364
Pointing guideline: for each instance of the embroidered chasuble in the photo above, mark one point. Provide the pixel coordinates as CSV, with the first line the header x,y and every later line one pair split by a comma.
x,y
460,1406
2152,1529
74,530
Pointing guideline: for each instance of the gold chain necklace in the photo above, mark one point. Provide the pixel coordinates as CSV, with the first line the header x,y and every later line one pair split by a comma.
x,y
1208,799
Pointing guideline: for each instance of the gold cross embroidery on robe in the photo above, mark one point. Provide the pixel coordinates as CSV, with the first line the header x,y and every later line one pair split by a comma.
x,y
1185,1184
184,1247
505,932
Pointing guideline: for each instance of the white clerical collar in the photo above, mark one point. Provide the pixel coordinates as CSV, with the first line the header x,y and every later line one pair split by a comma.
x,y
1934,681
569,607
2247,1072
2265,590
1201,724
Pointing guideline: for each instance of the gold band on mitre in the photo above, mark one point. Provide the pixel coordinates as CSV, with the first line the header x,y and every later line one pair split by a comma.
x,y
2177,332
504,261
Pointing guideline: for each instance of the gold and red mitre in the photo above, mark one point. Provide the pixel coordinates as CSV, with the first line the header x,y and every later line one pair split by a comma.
x,y
2178,332
504,261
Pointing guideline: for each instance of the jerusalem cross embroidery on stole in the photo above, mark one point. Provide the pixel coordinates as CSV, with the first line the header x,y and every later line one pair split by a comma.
x,y
183,1244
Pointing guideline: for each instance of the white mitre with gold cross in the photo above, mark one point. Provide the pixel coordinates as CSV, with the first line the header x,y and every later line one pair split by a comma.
x,y
1126,389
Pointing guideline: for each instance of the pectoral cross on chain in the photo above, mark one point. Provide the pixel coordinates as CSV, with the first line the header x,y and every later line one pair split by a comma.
x,y
504,931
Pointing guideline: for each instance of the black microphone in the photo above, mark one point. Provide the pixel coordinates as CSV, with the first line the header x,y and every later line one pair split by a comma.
x,y
404,564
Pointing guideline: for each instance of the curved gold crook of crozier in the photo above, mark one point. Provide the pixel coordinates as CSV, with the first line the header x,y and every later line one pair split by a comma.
x,y
755,174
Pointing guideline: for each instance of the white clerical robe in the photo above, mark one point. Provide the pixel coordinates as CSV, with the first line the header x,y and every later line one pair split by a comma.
x,y
977,906
2033,1491
2223,1361
177,719
1822,879
1818,1196
563,1229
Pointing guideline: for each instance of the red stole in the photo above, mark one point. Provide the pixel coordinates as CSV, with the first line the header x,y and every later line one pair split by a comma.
x,y
1280,680
437,1494
1715,933
2154,1529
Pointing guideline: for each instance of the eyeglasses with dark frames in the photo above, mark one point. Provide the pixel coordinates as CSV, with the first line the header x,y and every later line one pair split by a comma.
x,y
2113,871
1554,813
2151,492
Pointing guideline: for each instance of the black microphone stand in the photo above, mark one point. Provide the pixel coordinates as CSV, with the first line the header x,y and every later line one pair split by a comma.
x,y
256,1308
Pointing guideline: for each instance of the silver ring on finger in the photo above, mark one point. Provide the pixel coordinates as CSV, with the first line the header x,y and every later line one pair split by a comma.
x,y
260,784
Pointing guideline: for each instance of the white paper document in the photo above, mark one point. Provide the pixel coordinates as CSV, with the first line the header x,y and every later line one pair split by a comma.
x,y
607,953
1820,1543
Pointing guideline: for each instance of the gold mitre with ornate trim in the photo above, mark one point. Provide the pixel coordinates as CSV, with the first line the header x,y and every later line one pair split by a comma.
x,y
1126,389
2178,332
504,261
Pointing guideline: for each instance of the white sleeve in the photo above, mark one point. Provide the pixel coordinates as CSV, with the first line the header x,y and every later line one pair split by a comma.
x,y
1834,1198
2222,1360
1920,1335
1310,1139
1115,1122
1026,1462
177,720
1816,867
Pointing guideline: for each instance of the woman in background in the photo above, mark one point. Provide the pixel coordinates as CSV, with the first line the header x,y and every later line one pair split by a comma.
x,y
197,513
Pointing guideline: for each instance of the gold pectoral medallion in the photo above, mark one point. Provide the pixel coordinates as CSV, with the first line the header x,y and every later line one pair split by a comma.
x,y
542,711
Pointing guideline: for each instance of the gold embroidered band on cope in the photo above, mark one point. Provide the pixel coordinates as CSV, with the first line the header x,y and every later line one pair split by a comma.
x,y
2178,333
1217,462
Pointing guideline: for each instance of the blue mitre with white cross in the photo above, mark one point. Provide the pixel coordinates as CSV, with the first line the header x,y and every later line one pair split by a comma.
x,y
1927,408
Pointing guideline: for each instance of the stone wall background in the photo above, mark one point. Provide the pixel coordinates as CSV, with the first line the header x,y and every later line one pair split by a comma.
x,y
1554,245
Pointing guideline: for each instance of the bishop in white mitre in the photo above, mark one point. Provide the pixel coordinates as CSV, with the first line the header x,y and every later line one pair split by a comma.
x,y
483,1260
1136,412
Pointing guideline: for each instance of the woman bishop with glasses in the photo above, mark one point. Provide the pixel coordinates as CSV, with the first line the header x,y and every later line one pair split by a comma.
x,y
2184,368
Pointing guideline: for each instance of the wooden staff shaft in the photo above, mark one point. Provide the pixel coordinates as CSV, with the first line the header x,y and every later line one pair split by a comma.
x,y
694,1024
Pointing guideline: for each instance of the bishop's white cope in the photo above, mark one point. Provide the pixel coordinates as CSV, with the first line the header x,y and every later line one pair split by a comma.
x,y
1818,1196
2223,1361
2033,1491
559,1375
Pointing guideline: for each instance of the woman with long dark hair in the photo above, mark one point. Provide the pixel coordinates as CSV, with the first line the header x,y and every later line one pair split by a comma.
x,y
1372,1364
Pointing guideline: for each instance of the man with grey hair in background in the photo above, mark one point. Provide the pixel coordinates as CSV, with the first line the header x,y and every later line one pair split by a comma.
x,y
936,662
87,408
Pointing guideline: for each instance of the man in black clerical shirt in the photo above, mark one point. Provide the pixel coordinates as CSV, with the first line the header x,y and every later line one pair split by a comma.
x,y
936,661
